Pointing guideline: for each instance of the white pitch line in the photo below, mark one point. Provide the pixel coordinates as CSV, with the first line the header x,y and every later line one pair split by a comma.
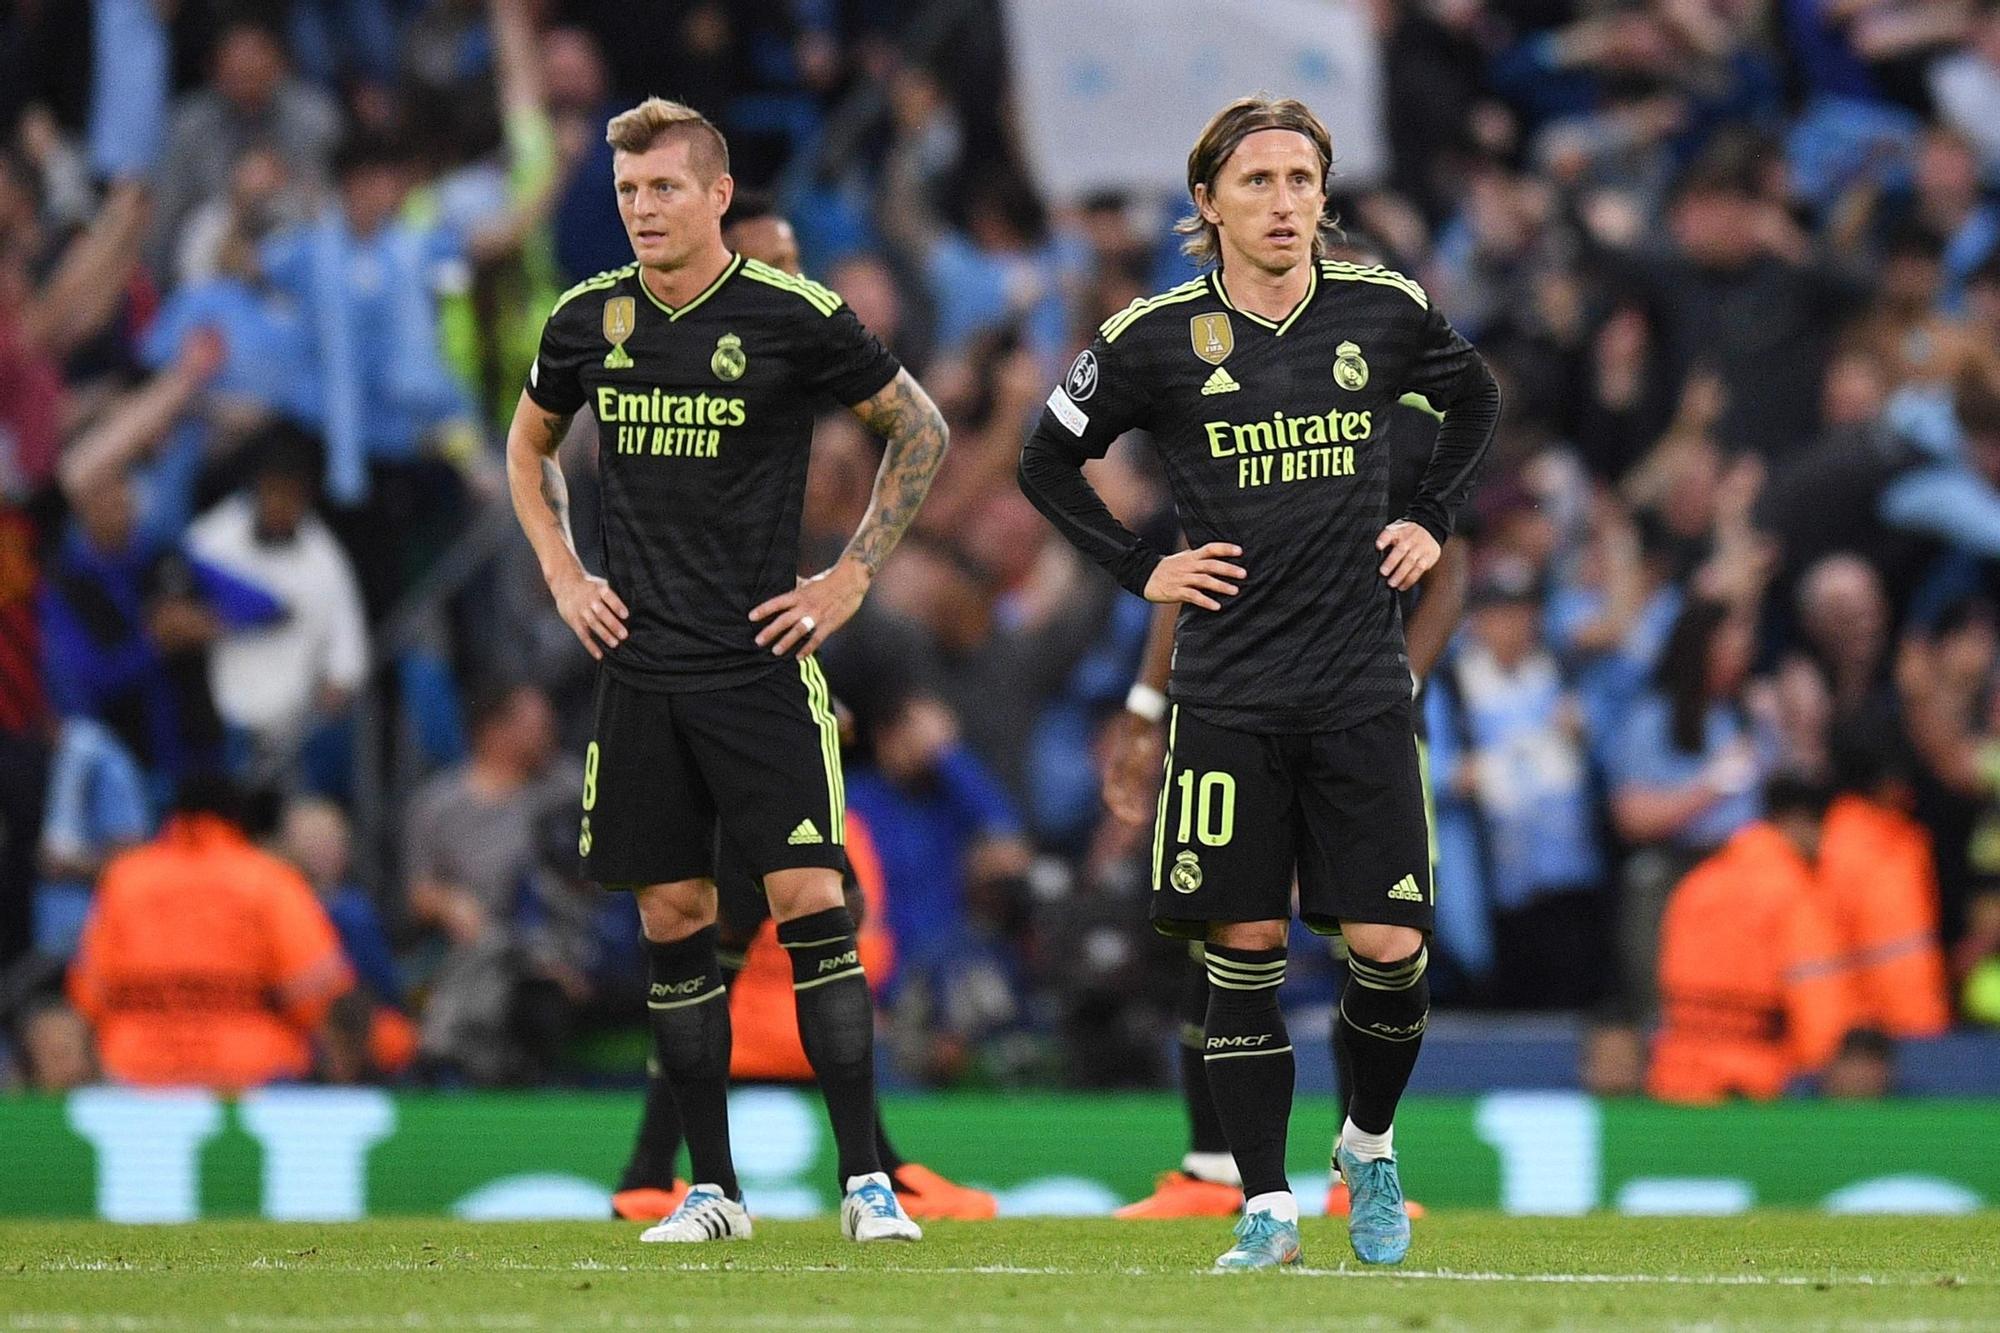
x,y
444,1263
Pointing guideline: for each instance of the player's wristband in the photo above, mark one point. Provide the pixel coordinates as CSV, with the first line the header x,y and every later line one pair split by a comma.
x,y
1146,702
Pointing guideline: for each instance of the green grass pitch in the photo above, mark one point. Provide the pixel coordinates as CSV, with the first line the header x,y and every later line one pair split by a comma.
x,y
1466,1271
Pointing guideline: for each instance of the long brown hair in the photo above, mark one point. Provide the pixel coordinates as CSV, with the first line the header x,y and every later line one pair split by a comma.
x,y
1219,139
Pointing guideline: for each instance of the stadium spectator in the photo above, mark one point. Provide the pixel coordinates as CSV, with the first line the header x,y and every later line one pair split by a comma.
x,y
1966,84
1507,748
250,99
275,684
1754,991
469,852
98,806
127,622
952,856
365,282
206,962
54,1050
1684,771
369,1034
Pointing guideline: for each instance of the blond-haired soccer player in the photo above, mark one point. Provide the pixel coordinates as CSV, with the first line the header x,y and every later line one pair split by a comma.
x,y
1266,385
714,724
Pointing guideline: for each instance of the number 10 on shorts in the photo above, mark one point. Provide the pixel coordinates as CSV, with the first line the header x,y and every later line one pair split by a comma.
x,y
1208,808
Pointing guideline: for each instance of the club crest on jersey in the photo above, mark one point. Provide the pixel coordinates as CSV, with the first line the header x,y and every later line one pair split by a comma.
x,y
729,361
620,318
1350,372
1082,380
1212,337
1186,874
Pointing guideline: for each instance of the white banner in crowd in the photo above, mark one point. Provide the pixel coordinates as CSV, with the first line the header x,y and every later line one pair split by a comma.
x,y
1112,93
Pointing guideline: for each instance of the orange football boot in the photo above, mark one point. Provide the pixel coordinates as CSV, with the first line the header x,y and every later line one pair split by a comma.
x,y
1337,1204
649,1204
928,1196
1178,1194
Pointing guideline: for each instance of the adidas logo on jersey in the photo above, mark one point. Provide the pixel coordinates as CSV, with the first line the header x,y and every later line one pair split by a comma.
x,y
1406,890
1220,382
805,835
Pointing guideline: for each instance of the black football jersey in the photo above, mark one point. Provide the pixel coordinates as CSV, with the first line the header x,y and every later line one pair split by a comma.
x,y
704,429
1275,437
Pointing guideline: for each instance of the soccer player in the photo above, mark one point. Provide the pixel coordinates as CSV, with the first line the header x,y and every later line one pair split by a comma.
x,y
713,722
1265,384
1207,1183
647,1188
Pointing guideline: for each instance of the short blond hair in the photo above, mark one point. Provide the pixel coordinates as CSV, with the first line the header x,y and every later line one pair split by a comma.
x,y
642,127
1219,139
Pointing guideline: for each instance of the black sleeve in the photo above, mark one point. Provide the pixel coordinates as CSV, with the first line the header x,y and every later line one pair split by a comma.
x,y
1099,400
843,358
1458,384
554,380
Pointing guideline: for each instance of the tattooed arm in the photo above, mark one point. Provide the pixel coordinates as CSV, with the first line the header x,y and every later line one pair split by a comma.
x,y
586,603
904,415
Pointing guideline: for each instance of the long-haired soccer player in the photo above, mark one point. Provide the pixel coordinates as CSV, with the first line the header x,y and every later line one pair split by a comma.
x,y
1265,385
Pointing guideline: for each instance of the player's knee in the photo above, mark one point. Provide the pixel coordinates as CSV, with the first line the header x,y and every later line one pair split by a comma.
x,y
1248,934
1390,1000
1378,942
670,912
802,892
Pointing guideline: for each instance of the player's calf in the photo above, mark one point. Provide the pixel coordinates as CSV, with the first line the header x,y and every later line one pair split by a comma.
x,y
837,1029
1248,1055
689,1010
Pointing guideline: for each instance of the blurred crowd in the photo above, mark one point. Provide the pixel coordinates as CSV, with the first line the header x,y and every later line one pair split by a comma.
x,y
288,736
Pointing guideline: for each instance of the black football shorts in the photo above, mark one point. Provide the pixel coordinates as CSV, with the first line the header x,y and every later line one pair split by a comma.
x,y
1242,815
757,764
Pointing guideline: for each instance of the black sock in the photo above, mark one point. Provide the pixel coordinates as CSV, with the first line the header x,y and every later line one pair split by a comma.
x,y
1204,1125
1250,1065
1382,1016
837,1028
885,1151
1343,1062
690,1013
658,1144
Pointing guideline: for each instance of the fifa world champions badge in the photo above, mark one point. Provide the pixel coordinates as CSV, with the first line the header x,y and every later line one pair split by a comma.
x,y
1213,337
620,317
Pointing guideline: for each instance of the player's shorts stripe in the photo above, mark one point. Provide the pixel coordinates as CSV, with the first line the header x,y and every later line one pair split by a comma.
x,y
610,278
822,299
1430,816
1166,785
819,700
1334,268
1125,318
